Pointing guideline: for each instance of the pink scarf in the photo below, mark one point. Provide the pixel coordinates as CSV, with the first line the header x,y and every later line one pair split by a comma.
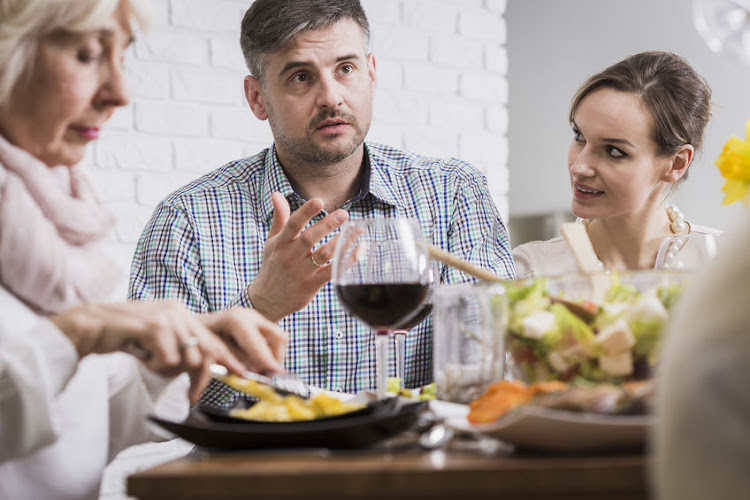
x,y
51,227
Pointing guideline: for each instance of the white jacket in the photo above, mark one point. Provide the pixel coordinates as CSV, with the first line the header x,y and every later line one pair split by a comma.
x,y
62,421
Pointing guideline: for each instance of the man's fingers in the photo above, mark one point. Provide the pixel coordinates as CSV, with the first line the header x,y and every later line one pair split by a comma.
x,y
299,219
325,253
319,230
323,276
280,213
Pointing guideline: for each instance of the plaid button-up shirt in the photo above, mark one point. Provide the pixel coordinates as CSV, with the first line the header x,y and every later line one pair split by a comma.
x,y
204,245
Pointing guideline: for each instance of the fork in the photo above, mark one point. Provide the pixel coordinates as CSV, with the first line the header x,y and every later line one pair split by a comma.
x,y
285,383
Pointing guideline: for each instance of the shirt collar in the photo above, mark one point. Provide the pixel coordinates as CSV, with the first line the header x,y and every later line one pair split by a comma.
x,y
379,178
376,181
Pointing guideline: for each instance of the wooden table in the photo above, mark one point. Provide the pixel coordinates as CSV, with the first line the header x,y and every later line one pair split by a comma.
x,y
390,475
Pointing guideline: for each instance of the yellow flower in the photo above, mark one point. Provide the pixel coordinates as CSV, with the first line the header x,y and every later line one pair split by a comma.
x,y
734,165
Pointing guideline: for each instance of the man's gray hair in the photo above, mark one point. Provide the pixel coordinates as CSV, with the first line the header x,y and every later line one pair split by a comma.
x,y
268,25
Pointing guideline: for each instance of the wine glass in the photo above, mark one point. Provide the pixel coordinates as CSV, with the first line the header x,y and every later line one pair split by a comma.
x,y
686,251
381,275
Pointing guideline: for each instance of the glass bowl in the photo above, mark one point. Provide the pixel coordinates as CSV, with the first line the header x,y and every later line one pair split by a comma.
x,y
605,327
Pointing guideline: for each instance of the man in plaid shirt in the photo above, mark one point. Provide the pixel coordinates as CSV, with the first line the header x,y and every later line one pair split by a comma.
x,y
260,232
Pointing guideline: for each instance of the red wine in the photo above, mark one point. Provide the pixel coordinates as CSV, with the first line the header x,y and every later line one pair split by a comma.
x,y
382,306
421,315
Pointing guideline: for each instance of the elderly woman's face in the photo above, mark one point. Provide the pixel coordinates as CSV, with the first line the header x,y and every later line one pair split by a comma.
x,y
75,84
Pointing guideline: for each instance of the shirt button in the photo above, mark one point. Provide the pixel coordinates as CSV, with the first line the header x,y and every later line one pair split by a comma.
x,y
338,389
339,335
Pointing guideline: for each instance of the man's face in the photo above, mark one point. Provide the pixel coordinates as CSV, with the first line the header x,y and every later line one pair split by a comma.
x,y
317,94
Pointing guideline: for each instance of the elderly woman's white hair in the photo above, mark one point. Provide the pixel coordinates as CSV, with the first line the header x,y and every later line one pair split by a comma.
x,y
24,22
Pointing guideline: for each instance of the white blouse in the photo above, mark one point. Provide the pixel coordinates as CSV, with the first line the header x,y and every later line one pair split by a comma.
x,y
551,257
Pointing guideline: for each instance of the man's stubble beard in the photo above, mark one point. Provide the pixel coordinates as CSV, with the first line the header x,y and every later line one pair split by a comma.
x,y
306,150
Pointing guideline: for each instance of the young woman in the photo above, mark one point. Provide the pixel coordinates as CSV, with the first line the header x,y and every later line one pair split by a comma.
x,y
636,126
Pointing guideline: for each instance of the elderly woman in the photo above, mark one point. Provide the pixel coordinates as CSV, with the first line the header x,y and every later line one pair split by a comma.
x,y
636,128
64,411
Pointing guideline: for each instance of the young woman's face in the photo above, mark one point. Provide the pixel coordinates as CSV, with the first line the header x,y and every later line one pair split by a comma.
x,y
75,83
613,163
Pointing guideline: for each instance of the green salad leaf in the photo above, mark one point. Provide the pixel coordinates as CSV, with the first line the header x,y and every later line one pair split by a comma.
x,y
526,300
620,292
647,334
569,326
668,294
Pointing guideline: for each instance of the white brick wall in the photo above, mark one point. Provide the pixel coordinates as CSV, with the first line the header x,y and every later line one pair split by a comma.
x,y
442,90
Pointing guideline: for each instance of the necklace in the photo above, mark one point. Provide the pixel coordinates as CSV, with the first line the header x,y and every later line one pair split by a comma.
x,y
677,224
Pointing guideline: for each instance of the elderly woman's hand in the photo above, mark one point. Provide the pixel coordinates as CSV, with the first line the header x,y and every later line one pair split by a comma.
x,y
171,340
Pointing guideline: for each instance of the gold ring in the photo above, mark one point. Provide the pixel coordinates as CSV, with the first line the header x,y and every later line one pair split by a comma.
x,y
189,342
312,258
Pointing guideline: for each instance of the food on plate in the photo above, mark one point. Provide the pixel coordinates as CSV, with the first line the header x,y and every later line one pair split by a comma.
x,y
631,398
424,393
502,397
427,392
553,337
393,384
293,408
250,387
273,407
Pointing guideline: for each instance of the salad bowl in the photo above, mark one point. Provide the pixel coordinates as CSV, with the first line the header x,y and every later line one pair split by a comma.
x,y
581,328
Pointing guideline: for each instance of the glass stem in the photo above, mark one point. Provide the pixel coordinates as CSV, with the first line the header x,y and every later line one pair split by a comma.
x,y
381,361
400,336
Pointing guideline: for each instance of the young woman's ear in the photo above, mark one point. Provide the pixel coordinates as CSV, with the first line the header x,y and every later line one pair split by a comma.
x,y
679,163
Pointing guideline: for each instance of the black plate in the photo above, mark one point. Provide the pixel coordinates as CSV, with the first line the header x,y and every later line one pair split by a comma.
x,y
343,433
224,415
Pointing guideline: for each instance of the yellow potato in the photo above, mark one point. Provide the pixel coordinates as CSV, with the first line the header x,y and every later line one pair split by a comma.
x,y
252,388
298,410
273,407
